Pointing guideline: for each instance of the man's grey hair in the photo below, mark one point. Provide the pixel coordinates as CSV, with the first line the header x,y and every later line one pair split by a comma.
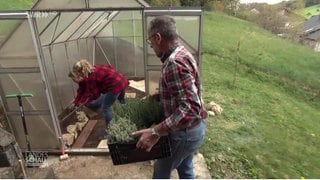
x,y
165,25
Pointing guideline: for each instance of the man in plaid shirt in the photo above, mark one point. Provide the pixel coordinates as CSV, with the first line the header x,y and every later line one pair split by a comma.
x,y
180,97
98,85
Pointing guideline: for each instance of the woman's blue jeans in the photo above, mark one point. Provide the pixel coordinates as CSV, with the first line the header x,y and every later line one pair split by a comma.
x,y
184,144
107,100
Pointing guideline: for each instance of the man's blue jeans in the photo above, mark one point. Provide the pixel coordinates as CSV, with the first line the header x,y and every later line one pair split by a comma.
x,y
184,144
107,100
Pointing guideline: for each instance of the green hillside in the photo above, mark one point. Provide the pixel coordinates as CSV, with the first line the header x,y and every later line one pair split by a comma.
x,y
5,5
16,4
270,126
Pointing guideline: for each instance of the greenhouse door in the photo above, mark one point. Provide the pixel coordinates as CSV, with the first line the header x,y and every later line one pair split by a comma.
x,y
189,25
21,74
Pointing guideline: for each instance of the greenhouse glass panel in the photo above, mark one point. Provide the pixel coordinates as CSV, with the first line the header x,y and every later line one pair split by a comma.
x,y
44,19
188,27
85,26
137,24
73,51
14,47
84,49
46,36
123,28
56,27
105,51
6,27
90,47
63,56
128,55
19,62
61,85
65,20
138,57
128,15
46,51
113,3
101,21
59,4
153,59
38,126
76,24
20,83
105,24
107,31
153,81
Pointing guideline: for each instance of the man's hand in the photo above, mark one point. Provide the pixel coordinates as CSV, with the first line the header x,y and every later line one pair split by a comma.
x,y
147,139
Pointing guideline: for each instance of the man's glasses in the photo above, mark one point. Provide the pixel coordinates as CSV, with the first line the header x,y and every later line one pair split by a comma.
x,y
148,39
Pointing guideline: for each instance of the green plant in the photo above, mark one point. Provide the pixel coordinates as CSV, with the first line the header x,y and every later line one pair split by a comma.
x,y
268,127
135,114
121,129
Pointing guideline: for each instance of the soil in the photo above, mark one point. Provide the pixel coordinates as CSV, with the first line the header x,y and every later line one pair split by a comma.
x,y
97,167
101,167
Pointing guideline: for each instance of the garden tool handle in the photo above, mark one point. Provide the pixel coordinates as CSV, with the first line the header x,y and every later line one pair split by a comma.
x,y
19,95
74,110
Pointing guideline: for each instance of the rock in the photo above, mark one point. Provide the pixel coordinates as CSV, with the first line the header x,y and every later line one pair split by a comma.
x,y
211,113
10,153
216,108
6,138
81,117
68,139
72,129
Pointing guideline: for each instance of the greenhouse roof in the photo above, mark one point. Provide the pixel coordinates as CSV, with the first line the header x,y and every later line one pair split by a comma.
x,y
87,4
65,20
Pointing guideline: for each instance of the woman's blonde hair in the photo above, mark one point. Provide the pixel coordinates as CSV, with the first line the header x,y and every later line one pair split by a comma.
x,y
82,68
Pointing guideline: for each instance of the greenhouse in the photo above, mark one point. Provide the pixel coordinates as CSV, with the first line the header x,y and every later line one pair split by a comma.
x,y
39,46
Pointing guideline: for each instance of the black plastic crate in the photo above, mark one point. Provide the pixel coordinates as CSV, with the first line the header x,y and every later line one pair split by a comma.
x,y
124,153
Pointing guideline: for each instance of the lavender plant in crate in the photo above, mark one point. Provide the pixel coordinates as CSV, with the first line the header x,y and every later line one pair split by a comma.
x,y
136,114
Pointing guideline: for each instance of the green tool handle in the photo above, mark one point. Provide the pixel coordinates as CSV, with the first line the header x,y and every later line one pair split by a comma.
x,y
21,95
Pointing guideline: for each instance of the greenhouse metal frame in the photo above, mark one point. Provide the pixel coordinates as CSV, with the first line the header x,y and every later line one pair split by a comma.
x,y
39,46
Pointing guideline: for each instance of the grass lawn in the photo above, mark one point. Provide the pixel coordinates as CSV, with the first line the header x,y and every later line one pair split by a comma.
x,y
16,4
269,127
6,26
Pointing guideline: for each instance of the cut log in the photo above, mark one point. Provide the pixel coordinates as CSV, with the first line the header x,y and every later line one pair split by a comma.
x,y
82,138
